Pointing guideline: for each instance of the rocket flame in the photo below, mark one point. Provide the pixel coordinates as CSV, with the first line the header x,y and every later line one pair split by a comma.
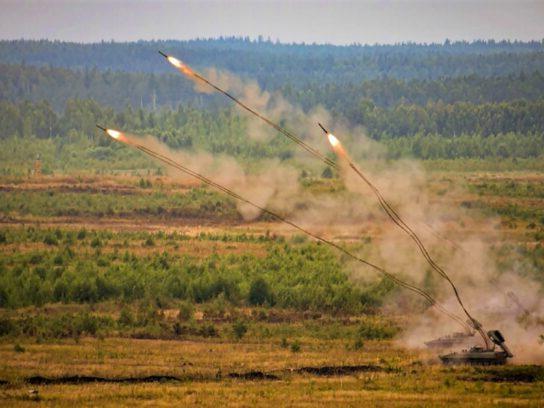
x,y
179,65
113,133
333,140
175,62
337,146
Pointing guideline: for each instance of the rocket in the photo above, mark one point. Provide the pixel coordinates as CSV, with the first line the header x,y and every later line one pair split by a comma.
x,y
322,128
101,128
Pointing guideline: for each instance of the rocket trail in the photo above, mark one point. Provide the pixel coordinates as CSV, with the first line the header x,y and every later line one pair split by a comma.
x,y
183,68
385,205
397,220
123,138
387,208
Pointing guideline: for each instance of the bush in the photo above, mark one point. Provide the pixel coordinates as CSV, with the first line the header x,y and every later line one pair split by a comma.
x,y
145,183
295,346
7,327
216,309
86,323
18,348
208,330
239,329
96,243
84,290
358,344
58,260
259,292
126,317
50,240
149,242
186,311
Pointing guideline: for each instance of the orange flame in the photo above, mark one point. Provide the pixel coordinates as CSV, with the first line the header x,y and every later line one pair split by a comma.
x,y
336,145
179,65
333,140
113,133
119,136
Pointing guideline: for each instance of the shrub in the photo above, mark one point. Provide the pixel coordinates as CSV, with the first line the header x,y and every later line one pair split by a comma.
x,y
50,240
217,308
18,348
295,346
259,292
35,259
7,327
126,318
96,243
85,323
239,329
208,330
358,344
186,311
84,290
58,260
60,291
149,242
81,234
144,183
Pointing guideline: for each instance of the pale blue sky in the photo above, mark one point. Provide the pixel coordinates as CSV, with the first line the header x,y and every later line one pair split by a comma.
x,y
336,22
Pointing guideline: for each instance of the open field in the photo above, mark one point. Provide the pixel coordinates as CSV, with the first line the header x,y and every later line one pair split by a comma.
x,y
124,290
126,200
115,372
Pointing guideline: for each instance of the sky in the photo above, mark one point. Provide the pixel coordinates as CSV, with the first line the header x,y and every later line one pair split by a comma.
x,y
320,21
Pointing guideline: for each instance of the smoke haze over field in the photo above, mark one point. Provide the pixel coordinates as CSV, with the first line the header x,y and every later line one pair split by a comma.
x,y
335,22
353,212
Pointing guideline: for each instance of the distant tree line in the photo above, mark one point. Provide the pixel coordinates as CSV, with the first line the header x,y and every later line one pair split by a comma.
x,y
391,92
150,91
479,99
274,64
450,120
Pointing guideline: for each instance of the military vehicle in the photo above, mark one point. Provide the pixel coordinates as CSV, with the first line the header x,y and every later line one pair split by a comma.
x,y
450,340
481,355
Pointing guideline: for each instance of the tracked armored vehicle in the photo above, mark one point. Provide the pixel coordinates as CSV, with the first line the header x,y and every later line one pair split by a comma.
x,y
480,355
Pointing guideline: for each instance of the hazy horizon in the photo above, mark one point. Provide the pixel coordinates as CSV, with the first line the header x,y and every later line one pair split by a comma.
x,y
335,22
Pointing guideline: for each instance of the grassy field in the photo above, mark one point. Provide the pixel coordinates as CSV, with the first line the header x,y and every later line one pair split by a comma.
x,y
121,290
126,372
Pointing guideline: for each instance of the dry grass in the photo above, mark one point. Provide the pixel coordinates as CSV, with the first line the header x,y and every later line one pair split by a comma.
x,y
203,367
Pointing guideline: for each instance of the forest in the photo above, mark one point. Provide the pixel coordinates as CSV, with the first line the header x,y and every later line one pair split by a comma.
x,y
455,100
